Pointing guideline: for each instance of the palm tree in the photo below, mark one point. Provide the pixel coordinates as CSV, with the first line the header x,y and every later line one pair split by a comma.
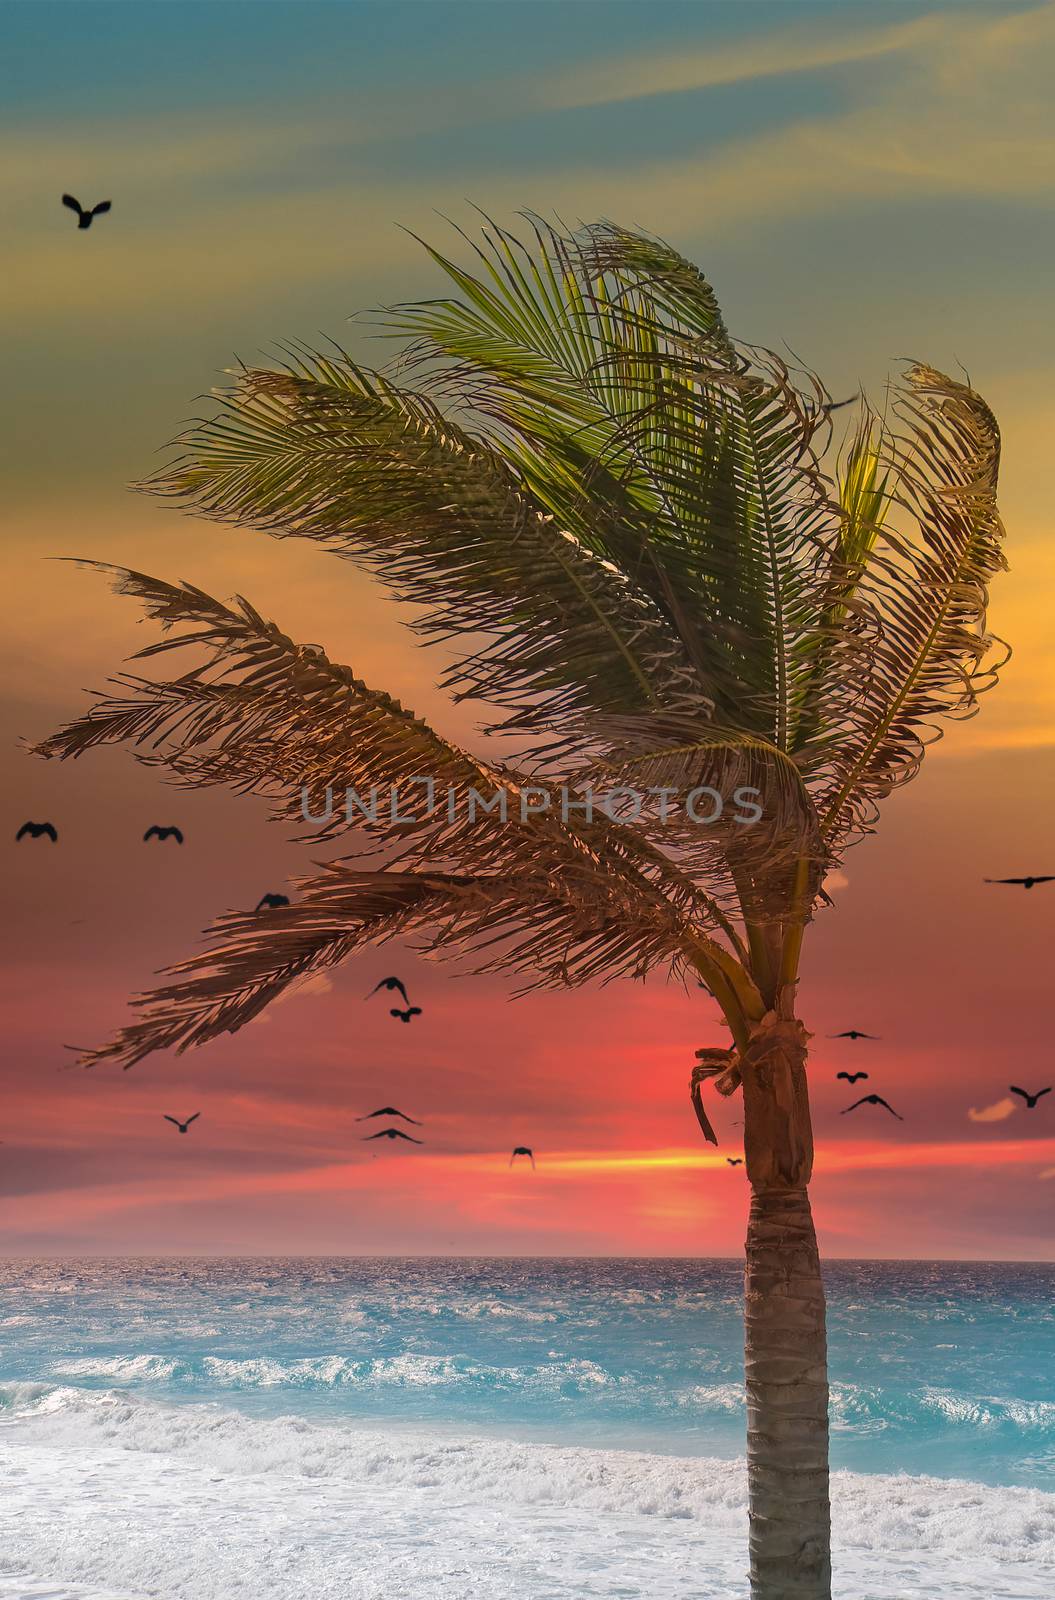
x,y
661,589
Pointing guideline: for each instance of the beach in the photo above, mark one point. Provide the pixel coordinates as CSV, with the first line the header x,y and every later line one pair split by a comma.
x,y
426,1429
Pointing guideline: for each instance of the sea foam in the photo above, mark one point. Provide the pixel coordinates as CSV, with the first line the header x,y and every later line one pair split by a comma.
x,y
194,1502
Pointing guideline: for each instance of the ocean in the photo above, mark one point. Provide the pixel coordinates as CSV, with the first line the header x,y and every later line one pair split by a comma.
x,y
318,1429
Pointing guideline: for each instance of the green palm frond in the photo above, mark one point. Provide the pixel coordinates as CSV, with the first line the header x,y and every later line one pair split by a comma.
x,y
684,459
838,663
863,484
326,451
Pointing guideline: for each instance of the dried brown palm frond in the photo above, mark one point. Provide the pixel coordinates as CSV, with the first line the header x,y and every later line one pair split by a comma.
x,y
928,585
564,931
266,716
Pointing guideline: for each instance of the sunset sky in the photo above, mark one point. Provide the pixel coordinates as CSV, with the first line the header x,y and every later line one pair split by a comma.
x,y
861,182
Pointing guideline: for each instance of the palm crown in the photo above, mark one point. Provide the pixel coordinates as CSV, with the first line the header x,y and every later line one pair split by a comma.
x,y
627,518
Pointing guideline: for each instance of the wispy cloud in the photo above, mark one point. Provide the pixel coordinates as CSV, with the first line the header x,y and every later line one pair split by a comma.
x,y
999,1111
967,114
778,53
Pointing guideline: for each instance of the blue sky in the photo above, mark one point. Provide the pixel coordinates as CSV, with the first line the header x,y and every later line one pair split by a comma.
x,y
158,53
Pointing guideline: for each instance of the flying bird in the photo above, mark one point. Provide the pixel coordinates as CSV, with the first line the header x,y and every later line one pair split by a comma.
x,y
1030,1099
851,1077
735,1161
388,1111
853,1033
272,901
163,833
392,1133
837,405
873,1100
1027,883
390,984
36,830
405,1016
182,1126
522,1150
84,218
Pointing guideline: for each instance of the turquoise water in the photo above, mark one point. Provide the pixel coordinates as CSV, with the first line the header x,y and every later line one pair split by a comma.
x,y
524,1430
940,1368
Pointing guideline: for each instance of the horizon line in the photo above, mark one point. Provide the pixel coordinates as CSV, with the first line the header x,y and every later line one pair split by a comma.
x,y
397,1255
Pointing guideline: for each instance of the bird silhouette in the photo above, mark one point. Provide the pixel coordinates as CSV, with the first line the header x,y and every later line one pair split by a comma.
x,y
735,1161
1030,1099
405,1016
37,830
837,405
872,1100
273,901
851,1077
853,1033
182,1126
388,1111
1026,883
390,984
392,1133
84,218
522,1150
163,833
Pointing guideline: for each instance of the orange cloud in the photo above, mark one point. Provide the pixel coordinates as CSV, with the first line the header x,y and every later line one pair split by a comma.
x,y
997,1112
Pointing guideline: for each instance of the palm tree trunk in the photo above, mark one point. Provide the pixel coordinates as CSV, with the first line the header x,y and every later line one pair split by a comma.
x,y
787,1401
785,1354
